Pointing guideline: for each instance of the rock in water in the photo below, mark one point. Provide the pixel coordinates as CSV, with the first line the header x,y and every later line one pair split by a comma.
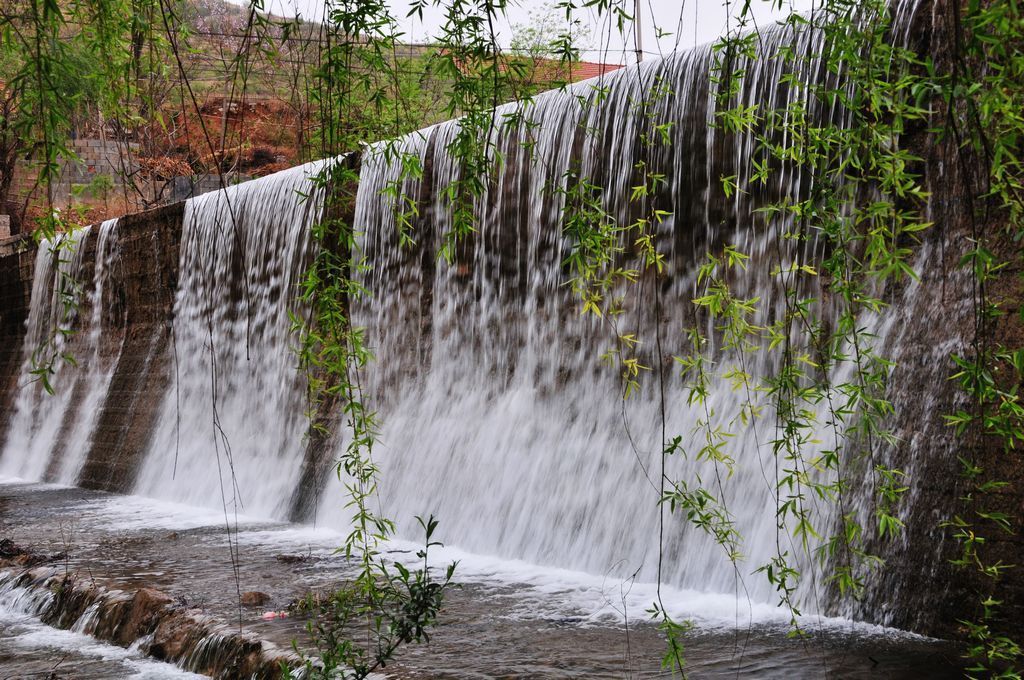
x,y
254,598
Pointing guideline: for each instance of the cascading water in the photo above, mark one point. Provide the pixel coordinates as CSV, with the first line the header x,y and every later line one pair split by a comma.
x,y
499,416
53,308
50,433
232,424
99,360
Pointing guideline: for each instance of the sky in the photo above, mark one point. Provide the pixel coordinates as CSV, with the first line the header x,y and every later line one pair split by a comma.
x,y
689,22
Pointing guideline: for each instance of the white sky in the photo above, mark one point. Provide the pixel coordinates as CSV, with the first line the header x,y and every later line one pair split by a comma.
x,y
691,22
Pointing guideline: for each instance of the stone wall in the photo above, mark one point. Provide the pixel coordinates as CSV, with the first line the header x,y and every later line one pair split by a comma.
x,y
920,588
17,265
96,158
182,188
142,303
139,300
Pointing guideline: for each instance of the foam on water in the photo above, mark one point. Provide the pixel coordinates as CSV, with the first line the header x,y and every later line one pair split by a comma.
x,y
129,513
35,636
553,593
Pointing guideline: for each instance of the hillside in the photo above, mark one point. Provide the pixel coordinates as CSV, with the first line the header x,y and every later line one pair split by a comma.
x,y
216,89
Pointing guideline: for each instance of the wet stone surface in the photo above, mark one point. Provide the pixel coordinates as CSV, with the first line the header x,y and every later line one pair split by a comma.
x,y
492,625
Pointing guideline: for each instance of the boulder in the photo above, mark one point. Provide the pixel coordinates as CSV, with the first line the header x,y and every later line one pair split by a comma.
x,y
174,636
254,598
148,606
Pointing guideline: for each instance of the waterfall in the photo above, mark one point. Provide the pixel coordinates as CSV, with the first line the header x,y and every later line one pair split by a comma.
x,y
50,433
100,358
232,424
498,414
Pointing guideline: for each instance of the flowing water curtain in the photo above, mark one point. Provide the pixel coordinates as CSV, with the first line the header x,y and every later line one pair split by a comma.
x,y
501,308
762,421
468,292
232,422
48,375
861,197
97,358
70,351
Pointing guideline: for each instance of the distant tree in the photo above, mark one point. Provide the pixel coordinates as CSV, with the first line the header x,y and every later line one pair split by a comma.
x,y
38,108
10,143
544,49
544,35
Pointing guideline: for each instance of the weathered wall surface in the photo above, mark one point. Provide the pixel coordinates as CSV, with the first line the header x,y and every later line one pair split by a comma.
x,y
920,588
138,306
17,265
142,302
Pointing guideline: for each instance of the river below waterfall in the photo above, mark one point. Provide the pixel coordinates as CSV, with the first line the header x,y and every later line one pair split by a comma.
x,y
507,619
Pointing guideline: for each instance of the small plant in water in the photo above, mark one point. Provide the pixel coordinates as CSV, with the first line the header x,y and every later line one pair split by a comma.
x,y
359,628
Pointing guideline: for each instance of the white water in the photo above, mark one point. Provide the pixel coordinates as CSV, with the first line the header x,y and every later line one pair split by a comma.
x,y
99,363
23,633
49,434
528,591
502,422
230,432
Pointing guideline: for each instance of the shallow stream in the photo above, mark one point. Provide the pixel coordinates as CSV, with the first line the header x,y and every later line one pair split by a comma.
x,y
506,620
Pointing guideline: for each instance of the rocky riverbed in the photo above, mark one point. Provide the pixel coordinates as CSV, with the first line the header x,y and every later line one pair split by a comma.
x,y
133,582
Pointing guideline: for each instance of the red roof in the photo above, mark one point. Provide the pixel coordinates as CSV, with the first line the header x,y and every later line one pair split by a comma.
x,y
554,70
582,70
545,71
